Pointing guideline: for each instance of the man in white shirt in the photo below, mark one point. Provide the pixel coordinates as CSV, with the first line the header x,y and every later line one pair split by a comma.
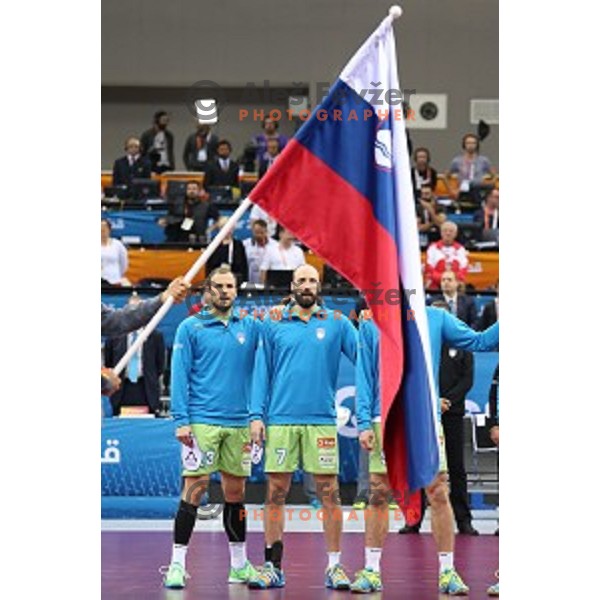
x,y
284,256
258,213
256,248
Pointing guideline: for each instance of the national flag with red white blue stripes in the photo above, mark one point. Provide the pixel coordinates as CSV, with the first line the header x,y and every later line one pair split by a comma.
x,y
342,186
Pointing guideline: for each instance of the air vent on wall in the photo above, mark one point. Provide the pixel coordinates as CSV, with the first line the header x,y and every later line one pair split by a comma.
x,y
485,110
429,111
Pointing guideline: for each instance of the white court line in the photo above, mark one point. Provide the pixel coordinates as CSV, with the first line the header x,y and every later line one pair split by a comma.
x,y
303,520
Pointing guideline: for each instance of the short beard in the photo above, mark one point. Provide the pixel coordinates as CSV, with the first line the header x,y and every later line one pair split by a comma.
x,y
221,308
305,301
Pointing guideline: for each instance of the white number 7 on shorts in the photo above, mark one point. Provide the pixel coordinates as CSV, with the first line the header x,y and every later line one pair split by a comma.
x,y
281,453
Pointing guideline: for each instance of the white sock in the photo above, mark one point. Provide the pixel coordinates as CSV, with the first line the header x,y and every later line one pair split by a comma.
x,y
237,554
333,559
446,560
178,556
372,558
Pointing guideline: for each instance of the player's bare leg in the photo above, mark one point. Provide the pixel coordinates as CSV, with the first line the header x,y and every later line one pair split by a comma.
x,y
377,514
277,490
194,488
442,517
328,493
368,580
442,525
271,574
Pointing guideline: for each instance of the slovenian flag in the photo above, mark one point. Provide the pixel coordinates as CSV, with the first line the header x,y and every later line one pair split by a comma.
x,y
342,186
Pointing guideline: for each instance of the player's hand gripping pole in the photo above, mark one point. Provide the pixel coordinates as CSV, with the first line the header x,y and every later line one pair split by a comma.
x,y
194,269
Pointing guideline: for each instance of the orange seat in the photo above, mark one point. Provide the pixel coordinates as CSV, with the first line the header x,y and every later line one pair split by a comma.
x,y
105,179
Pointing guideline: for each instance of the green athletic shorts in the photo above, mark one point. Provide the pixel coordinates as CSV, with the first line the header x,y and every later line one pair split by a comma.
x,y
224,449
376,456
316,444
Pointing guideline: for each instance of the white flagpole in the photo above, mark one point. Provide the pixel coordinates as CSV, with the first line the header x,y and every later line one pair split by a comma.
x,y
194,269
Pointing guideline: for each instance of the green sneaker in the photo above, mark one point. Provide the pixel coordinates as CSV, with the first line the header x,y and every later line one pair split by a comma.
x,y
451,584
359,505
242,575
366,581
174,576
336,578
393,505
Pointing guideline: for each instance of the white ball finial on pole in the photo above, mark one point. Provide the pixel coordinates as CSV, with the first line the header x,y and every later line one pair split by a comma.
x,y
395,11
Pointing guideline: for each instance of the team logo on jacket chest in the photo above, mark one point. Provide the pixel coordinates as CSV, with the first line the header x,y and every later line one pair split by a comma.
x,y
241,337
320,333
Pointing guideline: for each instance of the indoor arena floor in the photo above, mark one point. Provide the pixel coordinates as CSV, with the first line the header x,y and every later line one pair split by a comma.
x,y
133,551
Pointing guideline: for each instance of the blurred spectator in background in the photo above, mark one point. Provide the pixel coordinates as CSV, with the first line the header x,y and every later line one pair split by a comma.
x,y
268,158
230,252
114,256
470,166
430,216
283,256
423,172
131,166
460,305
456,379
158,142
187,218
489,217
490,312
141,377
445,255
256,248
269,132
223,171
257,213
494,418
200,148
119,322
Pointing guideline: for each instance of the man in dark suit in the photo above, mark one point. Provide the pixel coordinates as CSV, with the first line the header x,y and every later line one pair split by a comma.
x,y
456,379
460,305
141,385
158,143
230,252
268,158
131,166
223,171
189,216
200,148
489,315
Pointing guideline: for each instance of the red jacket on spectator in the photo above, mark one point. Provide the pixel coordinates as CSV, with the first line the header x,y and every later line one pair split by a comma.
x,y
442,258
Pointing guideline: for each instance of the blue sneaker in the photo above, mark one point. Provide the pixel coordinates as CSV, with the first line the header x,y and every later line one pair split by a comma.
x,y
366,582
450,583
315,503
494,590
266,577
336,578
